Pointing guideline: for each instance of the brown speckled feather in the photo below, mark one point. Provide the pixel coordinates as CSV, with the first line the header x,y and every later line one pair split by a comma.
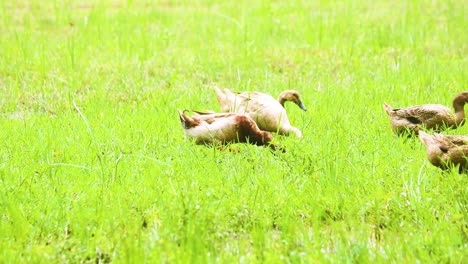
x,y
446,151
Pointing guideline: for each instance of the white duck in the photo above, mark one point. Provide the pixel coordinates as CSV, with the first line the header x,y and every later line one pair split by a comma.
x,y
268,113
223,128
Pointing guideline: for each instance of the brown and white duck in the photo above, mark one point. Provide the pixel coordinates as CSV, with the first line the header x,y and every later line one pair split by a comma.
x,y
430,116
446,151
267,112
223,128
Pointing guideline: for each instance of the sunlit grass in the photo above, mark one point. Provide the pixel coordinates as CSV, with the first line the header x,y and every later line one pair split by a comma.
x,y
94,166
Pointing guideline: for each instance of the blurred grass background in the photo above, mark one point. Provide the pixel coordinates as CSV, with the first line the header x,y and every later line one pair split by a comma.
x,y
94,167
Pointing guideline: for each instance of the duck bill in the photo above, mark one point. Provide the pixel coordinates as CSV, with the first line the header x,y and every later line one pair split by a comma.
x,y
301,105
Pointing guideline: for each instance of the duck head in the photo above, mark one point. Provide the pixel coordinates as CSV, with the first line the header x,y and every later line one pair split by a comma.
x,y
266,140
292,96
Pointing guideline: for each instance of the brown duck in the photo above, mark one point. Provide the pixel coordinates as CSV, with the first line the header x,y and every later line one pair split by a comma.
x,y
430,116
446,151
223,128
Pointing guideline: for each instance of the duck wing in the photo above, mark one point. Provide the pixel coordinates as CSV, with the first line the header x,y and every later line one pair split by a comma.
x,y
455,140
450,144
432,116
255,102
256,96
211,117
421,113
457,152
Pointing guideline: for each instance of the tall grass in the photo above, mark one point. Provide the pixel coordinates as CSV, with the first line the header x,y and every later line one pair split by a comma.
x,y
94,167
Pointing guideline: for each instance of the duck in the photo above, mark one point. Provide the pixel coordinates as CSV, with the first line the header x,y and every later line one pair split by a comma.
x,y
207,128
445,151
434,117
269,113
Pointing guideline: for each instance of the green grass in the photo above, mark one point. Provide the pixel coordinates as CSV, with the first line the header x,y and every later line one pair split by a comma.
x,y
94,166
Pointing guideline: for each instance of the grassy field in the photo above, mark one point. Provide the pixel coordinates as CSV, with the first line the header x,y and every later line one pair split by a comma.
x,y
94,166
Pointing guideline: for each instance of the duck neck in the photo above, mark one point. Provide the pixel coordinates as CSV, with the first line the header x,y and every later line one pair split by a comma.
x,y
460,117
282,100
459,107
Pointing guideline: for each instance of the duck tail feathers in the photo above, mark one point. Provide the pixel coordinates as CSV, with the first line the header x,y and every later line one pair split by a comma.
x,y
387,107
184,119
